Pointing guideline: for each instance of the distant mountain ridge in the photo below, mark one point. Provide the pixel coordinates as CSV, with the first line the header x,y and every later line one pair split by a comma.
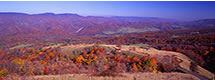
x,y
74,24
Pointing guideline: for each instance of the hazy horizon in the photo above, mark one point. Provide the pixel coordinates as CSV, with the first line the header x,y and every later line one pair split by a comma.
x,y
179,10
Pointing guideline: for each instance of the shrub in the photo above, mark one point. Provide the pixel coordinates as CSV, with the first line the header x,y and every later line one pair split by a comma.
x,y
3,72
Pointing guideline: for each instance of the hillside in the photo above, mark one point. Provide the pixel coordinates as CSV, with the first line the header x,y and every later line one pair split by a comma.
x,y
44,45
171,65
74,24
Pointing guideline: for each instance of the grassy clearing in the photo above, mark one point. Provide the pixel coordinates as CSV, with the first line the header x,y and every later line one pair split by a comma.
x,y
126,76
21,46
52,45
78,49
130,53
75,49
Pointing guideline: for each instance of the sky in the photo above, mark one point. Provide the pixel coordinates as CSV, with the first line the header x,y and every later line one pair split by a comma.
x,y
180,10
